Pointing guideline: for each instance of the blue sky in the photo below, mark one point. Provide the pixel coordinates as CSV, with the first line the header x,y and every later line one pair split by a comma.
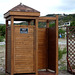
x,y
44,6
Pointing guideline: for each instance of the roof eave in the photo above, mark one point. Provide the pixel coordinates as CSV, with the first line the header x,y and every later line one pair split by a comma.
x,y
18,13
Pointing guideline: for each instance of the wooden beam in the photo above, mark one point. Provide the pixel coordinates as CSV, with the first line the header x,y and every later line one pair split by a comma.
x,y
47,18
42,20
56,44
6,48
14,13
12,46
22,17
36,23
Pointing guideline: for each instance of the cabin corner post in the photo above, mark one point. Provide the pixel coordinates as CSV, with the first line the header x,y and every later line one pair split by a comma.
x,y
6,47
56,22
36,24
47,27
12,45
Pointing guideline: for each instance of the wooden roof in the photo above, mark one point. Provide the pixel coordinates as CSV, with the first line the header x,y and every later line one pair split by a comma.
x,y
22,10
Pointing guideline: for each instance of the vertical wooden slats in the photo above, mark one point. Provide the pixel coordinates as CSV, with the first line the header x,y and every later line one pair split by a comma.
x,y
23,50
42,48
8,59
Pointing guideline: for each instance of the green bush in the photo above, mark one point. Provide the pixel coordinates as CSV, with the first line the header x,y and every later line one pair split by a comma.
x,y
1,38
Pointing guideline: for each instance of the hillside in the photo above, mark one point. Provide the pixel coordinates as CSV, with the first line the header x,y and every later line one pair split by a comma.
x,y
62,18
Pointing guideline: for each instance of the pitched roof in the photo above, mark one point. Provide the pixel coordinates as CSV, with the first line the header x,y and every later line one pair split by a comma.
x,y
23,8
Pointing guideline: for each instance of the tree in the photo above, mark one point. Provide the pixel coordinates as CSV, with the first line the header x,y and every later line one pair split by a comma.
x,y
2,30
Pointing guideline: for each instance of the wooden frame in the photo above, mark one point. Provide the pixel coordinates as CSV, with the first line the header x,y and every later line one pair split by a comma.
x,y
29,16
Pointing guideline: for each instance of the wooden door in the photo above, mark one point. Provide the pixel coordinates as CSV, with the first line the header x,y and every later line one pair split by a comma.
x,y
23,49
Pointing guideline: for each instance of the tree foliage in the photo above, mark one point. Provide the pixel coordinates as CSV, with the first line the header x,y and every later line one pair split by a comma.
x,y
2,30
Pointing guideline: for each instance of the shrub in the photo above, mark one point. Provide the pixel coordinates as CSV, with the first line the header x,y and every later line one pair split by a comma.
x,y
1,38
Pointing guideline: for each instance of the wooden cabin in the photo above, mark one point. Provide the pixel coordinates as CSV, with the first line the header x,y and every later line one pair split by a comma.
x,y
30,50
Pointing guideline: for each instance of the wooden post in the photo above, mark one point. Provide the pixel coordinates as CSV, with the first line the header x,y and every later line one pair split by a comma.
x,y
56,44
47,26
6,48
36,23
12,46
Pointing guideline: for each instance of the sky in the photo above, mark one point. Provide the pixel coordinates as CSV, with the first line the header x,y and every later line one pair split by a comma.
x,y
44,6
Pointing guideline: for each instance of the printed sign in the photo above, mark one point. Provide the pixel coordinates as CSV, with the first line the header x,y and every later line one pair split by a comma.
x,y
24,30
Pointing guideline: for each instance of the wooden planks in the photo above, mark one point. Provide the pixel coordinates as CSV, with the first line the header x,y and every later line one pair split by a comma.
x,y
23,51
42,48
